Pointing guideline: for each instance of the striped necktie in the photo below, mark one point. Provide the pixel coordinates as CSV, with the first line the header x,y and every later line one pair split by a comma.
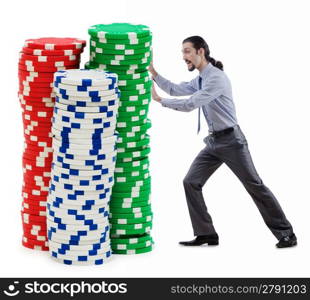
x,y
199,87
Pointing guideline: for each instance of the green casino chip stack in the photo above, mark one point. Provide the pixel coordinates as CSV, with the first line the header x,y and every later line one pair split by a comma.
x,y
125,49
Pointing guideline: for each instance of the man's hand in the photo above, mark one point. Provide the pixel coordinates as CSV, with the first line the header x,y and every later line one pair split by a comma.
x,y
152,70
155,96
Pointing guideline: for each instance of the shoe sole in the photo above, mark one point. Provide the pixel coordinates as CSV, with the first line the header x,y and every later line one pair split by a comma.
x,y
212,243
288,246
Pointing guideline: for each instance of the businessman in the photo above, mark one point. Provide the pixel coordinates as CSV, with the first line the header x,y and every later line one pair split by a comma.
x,y
211,92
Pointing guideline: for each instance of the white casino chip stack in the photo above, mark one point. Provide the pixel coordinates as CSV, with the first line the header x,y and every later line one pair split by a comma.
x,y
82,175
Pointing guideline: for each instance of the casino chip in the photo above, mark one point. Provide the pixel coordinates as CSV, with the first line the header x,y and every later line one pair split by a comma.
x,y
83,165
125,49
38,61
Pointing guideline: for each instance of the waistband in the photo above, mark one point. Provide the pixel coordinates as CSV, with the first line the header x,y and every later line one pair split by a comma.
x,y
223,132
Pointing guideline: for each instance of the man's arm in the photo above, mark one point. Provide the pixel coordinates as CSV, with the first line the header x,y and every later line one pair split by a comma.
x,y
211,90
173,89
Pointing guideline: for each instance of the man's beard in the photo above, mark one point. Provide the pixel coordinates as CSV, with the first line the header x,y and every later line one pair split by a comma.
x,y
192,68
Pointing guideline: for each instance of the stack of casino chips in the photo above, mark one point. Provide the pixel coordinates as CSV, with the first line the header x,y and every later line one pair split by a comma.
x,y
82,176
125,49
38,61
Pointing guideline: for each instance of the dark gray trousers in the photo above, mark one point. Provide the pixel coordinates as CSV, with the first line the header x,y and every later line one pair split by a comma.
x,y
231,149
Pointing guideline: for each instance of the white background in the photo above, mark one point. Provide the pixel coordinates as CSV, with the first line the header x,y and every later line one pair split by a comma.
x,y
264,46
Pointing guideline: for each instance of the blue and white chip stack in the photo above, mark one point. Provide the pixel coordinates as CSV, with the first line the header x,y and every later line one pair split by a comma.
x,y
82,176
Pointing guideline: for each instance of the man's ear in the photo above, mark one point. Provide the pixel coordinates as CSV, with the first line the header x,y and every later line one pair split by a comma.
x,y
201,51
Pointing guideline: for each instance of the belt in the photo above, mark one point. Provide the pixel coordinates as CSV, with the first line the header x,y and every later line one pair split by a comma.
x,y
221,132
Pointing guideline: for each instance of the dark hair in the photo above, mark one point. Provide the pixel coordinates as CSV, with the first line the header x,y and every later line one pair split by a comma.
x,y
198,42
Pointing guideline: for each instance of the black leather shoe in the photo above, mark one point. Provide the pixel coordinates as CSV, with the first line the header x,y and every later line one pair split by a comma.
x,y
287,241
211,240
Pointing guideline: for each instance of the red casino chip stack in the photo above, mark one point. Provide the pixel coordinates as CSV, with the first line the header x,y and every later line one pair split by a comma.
x,y
38,61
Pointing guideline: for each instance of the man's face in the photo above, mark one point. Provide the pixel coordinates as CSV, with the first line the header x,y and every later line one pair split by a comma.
x,y
191,56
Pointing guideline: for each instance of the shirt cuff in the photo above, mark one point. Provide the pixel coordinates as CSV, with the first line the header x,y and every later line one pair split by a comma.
x,y
158,79
164,102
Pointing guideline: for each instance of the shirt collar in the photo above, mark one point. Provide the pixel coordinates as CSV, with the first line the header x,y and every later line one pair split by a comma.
x,y
205,70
